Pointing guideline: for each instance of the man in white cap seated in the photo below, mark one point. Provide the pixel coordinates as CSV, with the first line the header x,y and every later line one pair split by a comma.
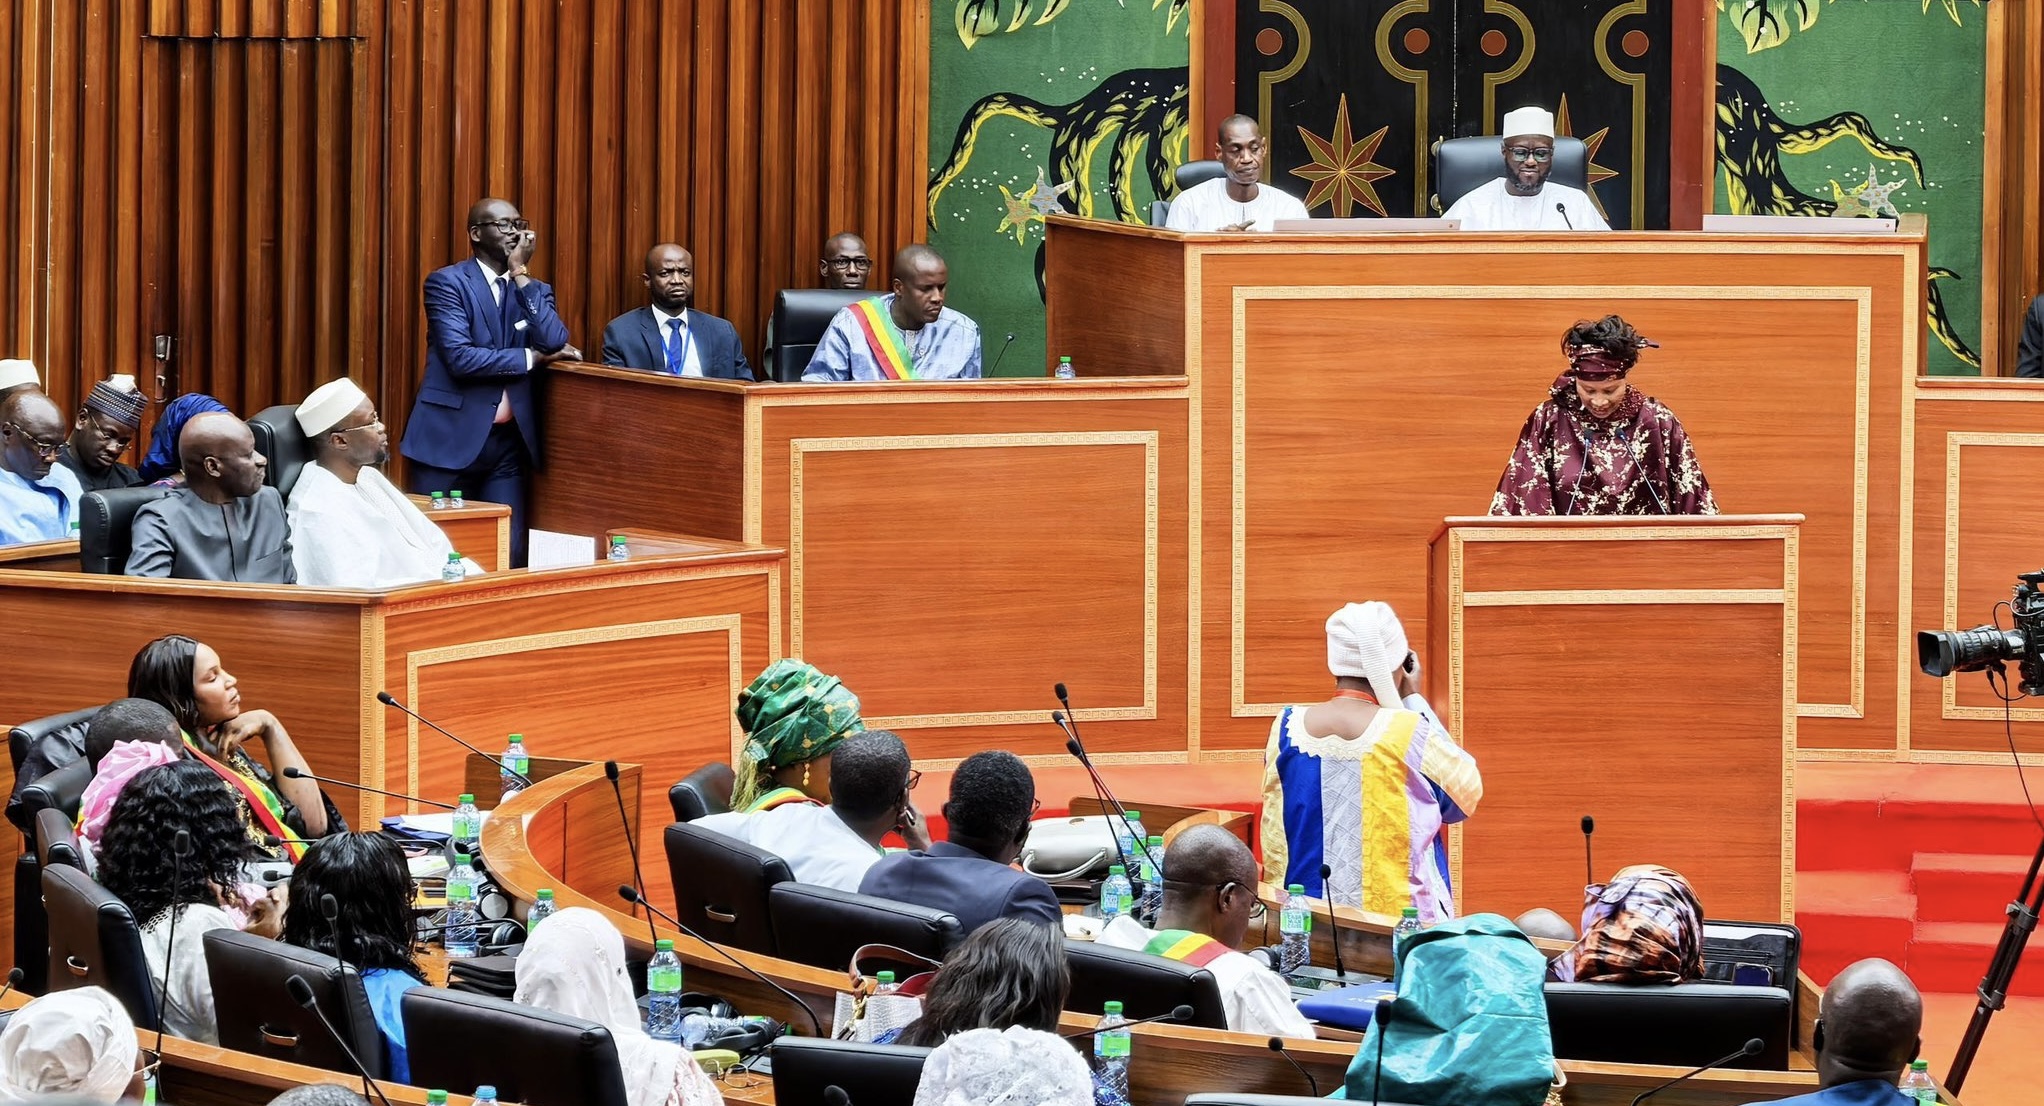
x,y
105,427
1524,199
1367,782
17,374
38,497
350,526
77,1046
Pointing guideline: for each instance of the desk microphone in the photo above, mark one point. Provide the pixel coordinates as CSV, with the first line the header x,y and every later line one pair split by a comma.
x,y
1589,866
1010,340
1179,1013
301,993
1107,804
835,1095
1751,1048
330,909
302,774
1334,927
1277,1045
180,848
638,877
1564,215
389,700
14,978
631,895
1380,1020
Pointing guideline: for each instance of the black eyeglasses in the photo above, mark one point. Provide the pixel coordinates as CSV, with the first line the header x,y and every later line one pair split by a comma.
x,y
1527,153
1256,907
42,448
914,778
851,264
119,433
503,224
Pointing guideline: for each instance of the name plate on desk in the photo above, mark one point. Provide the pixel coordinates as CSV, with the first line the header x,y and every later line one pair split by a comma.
x,y
1794,224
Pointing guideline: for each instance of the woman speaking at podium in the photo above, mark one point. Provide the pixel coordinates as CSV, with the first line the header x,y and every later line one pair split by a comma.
x,y
1599,446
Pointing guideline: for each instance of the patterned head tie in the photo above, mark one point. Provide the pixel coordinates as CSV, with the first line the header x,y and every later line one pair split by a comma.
x,y
1598,363
790,714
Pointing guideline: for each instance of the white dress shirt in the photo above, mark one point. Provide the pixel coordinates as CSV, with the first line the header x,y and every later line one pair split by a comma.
x,y
691,358
1256,999
816,843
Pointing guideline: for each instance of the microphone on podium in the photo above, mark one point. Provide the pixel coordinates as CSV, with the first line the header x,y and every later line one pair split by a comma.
x,y
1277,1045
302,774
1752,1047
301,993
1179,1013
1564,215
1589,865
389,700
631,846
1010,340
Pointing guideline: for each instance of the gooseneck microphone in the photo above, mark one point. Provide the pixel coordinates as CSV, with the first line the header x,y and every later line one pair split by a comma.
x,y
995,371
389,700
1108,805
180,848
631,895
1179,1013
1277,1045
1753,1047
1589,865
302,774
301,993
1333,924
1558,206
1380,1020
638,877
330,909
14,978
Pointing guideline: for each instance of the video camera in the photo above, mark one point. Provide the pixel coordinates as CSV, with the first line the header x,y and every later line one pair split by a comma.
x,y
1943,652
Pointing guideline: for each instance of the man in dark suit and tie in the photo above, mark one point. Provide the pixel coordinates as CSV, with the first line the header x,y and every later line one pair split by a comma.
x,y
2030,350
488,324
993,797
668,337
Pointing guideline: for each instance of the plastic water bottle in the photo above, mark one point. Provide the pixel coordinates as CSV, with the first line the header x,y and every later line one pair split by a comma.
x,y
698,1030
1917,1084
439,501
452,572
542,909
1408,924
1295,925
1116,895
468,825
486,1095
1110,1058
454,500
663,993
1128,833
1065,371
883,982
517,767
460,934
619,551
1150,870
436,1098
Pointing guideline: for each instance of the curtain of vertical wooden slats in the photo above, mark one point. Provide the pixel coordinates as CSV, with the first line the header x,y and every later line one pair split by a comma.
x,y
269,181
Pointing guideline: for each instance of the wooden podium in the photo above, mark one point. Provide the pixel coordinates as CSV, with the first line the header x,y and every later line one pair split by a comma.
x,y
1632,669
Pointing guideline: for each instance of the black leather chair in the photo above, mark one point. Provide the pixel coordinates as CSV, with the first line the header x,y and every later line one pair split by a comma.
x,y
58,791
720,887
1682,1026
1461,165
56,733
106,521
703,792
874,1075
1187,176
253,1005
94,942
57,739
533,1056
823,927
1145,985
55,841
278,438
801,315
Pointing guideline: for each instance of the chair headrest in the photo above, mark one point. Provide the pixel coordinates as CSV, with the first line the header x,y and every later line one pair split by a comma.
x,y
278,438
106,522
1194,173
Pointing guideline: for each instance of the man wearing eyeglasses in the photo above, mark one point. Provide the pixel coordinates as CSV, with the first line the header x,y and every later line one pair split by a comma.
x,y
474,427
105,428
350,527
833,846
38,497
1524,199
845,264
669,335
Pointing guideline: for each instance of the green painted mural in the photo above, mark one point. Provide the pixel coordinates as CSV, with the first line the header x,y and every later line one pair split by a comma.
x,y
1862,107
1039,106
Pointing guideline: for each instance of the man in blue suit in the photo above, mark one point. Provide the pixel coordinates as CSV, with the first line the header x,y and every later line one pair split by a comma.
x,y
993,796
668,337
474,426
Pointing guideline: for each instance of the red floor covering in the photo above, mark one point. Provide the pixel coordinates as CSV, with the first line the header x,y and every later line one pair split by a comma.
x,y
2009,1070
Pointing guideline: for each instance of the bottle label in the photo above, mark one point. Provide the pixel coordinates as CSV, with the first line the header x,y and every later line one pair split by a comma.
x,y
518,762
460,892
667,980
1112,1046
1295,921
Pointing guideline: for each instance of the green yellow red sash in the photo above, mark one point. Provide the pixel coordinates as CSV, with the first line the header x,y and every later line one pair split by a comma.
x,y
884,340
1186,947
261,802
780,796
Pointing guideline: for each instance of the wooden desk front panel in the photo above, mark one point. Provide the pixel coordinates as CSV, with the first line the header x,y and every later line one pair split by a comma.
x,y
633,449
1979,445
479,531
952,554
1626,704
1352,397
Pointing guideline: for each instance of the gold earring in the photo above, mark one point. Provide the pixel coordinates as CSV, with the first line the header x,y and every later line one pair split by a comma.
x,y
805,775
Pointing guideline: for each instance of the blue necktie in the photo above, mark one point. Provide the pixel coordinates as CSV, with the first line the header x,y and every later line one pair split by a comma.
x,y
677,354
507,312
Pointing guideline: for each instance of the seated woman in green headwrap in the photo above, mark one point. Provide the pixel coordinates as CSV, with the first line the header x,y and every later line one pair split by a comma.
x,y
793,716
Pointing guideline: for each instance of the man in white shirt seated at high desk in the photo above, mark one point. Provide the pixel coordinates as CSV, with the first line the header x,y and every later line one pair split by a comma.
x,y
1238,200
350,527
1209,891
832,846
1524,199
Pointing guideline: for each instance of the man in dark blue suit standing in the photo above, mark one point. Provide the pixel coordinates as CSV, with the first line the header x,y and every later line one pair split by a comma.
x,y
488,325
993,797
668,337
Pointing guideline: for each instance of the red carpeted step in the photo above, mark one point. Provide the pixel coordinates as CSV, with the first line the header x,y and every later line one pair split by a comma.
x,y
1965,887
1953,956
1871,816
1848,916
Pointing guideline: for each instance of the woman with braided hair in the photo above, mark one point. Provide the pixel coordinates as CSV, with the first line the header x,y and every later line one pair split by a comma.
x,y
1599,446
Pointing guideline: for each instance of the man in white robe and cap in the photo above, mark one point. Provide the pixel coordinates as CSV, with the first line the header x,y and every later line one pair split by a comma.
x,y
77,1045
1524,199
350,526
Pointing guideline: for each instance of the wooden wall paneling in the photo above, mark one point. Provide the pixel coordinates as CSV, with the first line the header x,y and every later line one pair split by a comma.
x,y
606,270
276,101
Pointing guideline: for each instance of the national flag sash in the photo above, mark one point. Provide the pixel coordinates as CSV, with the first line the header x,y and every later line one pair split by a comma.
x,y
1186,947
782,796
884,340
261,802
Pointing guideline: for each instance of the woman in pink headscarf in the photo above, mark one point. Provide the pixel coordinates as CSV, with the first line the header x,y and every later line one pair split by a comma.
x,y
126,738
